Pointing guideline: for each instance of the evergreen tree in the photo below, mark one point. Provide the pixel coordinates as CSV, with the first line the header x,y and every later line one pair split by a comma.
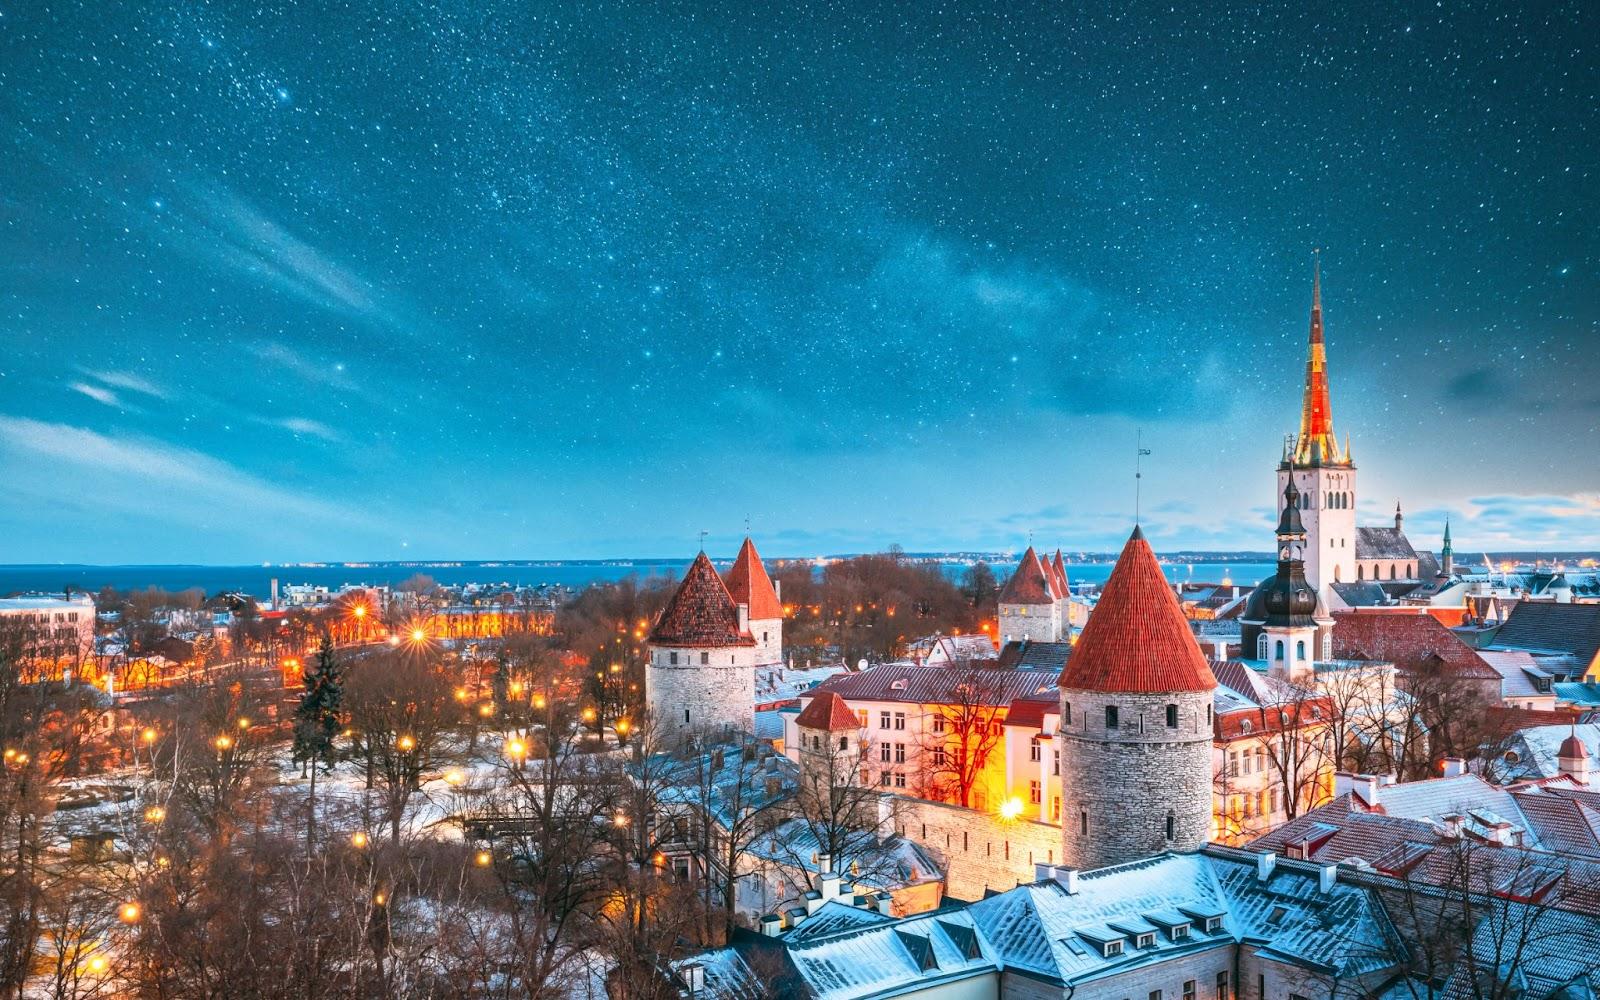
x,y
316,720
500,690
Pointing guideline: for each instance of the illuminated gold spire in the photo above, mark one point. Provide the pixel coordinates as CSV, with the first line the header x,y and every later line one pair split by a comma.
x,y
1317,443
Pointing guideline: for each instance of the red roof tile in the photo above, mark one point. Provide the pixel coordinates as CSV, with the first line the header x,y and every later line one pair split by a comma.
x,y
701,613
748,582
828,711
1137,639
1059,567
1030,584
1406,640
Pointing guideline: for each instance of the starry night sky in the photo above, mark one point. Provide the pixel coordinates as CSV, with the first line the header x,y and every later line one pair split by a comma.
x,y
505,279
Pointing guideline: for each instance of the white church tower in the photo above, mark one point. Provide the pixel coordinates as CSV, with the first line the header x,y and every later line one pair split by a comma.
x,y
1323,473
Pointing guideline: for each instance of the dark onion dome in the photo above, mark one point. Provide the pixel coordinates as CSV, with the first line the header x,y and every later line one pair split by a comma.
x,y
1287,598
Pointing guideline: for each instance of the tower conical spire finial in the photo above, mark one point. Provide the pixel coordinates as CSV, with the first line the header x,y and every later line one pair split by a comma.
x,y
1317,443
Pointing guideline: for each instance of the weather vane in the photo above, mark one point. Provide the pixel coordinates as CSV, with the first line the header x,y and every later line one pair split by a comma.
x,y
1140,451
703,534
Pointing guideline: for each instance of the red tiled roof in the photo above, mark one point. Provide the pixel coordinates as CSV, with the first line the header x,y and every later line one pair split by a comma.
x,y
1060,569
828,711
1030,584
1405,640
748,582
1137,639
1031,710
701,613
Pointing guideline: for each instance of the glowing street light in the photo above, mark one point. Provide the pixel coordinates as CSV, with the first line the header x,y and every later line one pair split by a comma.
x,y
224,742
484,859
622,727
588,715
516,749
358,840
417,635
1011,808
620,819
98,965
129,913
486,710
148,736
406,743
244,723
155,814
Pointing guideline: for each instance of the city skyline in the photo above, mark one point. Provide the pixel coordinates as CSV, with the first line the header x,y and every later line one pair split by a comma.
x,y
367,285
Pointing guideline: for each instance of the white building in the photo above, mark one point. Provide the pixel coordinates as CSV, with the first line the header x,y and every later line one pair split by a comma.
x,y
58,629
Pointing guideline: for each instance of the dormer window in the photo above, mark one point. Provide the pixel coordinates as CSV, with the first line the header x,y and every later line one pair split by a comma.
x,y
1145,941
1213,924
1180,932
1111,949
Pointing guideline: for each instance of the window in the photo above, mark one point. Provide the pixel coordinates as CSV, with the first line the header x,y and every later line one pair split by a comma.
x,y
940,758
861,717
883,779
844,743
899,753
686,716
1145,941
1274,800
763,637
1300,650
816,743
1055,809
938,723
1112,949
1172,826
1066,713
1033,752
705,659
1111,716
1034,795
899,781
1172,717
1055,762
883,720
1083,822
672,658
1277,650
1180,933
1215,924
899,720
1155,995
1233,763
1245,725
1222,977
883,752
1261,646
1188,989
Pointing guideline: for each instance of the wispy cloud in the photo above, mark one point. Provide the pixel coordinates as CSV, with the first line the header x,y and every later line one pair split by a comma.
x,y
155,479
99,394
308,427
125,380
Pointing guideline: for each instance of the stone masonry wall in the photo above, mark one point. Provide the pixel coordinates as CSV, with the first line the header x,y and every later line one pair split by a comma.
x,y
768,633
1118,786
717,695
981,851
1036,622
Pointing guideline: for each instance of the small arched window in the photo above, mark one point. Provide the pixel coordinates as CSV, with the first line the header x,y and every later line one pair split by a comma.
x,y
1172,717
1277,650
1066,713
1261,646
1361,572
1300,650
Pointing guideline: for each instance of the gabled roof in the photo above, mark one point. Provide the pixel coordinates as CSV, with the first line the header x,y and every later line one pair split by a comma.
x,y
1026,654
828,711
1030,584
1406,640
701,612
1545,626
1361,593
1383,543
1137,639
748,583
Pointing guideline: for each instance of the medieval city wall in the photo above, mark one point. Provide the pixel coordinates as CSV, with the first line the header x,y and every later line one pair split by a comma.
x,y
980,850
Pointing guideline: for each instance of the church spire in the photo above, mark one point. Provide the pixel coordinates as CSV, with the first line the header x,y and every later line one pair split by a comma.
x,y
1317,443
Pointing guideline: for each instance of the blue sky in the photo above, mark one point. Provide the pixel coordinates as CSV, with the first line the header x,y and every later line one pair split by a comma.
x,y
489,280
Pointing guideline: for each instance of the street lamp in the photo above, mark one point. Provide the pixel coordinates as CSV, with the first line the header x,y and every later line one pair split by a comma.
x,y
129,913
358,840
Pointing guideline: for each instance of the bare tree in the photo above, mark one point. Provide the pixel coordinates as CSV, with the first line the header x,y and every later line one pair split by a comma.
x,y
963,732
401,706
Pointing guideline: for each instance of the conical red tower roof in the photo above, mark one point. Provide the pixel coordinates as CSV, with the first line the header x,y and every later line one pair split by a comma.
x,y
1030,584
1137,640
749,584
701,613
1060,568
828,711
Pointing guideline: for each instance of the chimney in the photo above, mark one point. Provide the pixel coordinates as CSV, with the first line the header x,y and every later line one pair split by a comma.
x,y
884,904
1327,875
1452,767
771,925
1452,825
824,864
1265,863
814,902
828,885
1365,786
1068,877
1043,872
744,617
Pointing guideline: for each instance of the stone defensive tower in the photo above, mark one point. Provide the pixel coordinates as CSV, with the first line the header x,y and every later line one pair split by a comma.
x,y
700,678
1034,603
1135,733
751,587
